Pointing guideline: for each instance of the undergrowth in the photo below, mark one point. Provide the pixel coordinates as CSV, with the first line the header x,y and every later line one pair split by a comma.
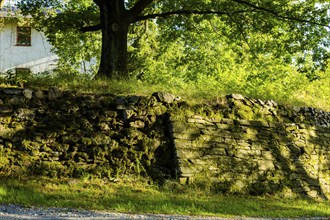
x,y
294,90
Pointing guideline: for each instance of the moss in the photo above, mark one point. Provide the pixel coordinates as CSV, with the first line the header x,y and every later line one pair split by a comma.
x,y
80,135
158,110
5,119
4,158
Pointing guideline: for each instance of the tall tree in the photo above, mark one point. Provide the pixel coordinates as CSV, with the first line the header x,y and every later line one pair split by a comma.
x,y
304,23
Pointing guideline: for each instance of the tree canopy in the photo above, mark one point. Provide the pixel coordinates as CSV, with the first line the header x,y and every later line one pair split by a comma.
x,y
126,35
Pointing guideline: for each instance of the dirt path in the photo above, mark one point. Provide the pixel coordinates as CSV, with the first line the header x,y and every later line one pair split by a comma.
x,y
14,212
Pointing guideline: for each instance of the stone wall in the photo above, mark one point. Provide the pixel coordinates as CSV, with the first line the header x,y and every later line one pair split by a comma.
x,y
66,134
273,152
234,144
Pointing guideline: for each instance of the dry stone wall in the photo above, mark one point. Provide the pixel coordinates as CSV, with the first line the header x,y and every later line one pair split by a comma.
x,y
276,153
66,134
233,144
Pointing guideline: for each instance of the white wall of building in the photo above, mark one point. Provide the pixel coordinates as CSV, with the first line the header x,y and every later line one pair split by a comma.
x,y
36,57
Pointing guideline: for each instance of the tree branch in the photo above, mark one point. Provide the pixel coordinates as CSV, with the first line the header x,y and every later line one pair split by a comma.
x,y
97,2
91,28
244,36
185,12
276,14
138,8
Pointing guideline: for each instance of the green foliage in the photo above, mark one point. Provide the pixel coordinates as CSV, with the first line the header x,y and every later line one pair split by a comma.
x,y
290,88
61,21
205,68
183,35
18,78
264,49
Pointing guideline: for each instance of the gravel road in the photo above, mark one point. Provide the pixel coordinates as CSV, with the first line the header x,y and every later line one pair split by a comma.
x,y
14,212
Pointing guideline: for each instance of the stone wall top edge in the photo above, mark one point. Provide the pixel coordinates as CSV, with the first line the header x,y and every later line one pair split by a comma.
x,y
254,123
195,118
19,89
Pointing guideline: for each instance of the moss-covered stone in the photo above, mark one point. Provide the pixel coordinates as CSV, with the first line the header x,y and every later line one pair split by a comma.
x,y
237,144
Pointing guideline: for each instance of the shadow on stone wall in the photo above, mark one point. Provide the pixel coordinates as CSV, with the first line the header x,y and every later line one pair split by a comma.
x,y
254,156
296,162
65,134
243,146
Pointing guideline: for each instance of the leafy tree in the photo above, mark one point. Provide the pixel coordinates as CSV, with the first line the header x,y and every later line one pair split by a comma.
x,y
285,27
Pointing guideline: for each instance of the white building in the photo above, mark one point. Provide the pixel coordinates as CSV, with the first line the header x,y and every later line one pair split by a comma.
x,y
22,48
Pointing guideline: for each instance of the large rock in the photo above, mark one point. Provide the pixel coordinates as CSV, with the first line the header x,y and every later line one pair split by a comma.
x,y
236,96
166,97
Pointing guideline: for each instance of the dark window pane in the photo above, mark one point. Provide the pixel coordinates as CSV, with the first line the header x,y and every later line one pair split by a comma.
x,y
23,36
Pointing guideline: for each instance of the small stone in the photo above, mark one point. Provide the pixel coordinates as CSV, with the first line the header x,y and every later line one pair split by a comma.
x,y
267,155
183,180
271,103
120,101
72,182
16,101
296,108
28,93
137,124
24,113
104,126
265,165
12,91
5,110
313,193
127,114
261,102
199,121
111,114
121,107
159,110
54,93
291,127
39,94
133,100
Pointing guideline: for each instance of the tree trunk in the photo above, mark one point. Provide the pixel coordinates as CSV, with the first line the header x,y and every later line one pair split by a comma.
x,y
114,24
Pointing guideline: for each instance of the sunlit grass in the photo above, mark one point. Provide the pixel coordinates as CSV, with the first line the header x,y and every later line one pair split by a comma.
x,y
298,92
172,198
141,197
314,94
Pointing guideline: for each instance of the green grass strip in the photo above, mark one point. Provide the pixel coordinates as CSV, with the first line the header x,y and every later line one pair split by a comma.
x,y
140,197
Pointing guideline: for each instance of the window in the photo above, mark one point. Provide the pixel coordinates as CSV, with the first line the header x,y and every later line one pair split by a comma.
x,y
23,36
22,71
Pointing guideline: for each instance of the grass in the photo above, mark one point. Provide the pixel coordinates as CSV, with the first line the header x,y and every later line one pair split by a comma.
x,y
314,94
140,197
172,198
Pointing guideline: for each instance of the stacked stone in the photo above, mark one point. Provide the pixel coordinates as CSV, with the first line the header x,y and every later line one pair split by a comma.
x,y
65,134
255,156
236,144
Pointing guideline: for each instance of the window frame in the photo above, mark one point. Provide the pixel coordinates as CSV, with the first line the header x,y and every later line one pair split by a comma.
x,y
20,70
23,36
